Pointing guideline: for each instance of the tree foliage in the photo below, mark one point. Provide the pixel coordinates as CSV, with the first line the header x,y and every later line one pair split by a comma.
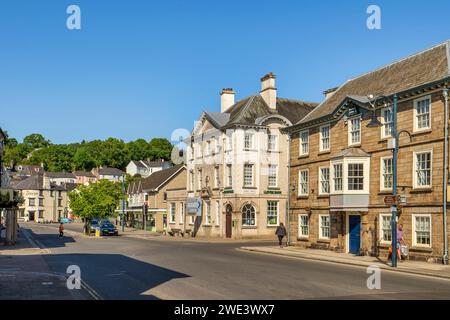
x,y
96,200
36,149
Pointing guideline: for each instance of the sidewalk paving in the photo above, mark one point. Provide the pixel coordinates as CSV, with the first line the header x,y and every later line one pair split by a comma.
x,y
24,274
410,267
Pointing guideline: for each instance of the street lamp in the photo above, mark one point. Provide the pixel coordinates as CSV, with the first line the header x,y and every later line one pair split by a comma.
x,y
123,203
395,140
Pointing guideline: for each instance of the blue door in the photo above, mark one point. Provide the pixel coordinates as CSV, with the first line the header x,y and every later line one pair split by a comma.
x,y
354,234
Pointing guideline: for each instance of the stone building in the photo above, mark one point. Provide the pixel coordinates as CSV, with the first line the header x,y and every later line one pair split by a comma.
x,y
44,200
237,164
341,167
153,192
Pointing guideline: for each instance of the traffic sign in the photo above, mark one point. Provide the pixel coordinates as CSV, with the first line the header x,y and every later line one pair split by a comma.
x,y
391,200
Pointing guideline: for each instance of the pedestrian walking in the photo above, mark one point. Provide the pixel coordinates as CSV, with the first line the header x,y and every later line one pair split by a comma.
x,y
281,233
61,230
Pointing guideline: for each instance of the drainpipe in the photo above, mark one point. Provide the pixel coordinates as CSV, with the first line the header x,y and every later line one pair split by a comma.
x,y
445,182
288,209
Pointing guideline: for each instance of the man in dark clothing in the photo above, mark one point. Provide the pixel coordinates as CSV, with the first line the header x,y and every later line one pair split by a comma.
x,y
281,233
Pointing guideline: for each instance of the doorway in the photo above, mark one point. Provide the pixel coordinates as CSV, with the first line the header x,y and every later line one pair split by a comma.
x,y
31,215
228,222
354,233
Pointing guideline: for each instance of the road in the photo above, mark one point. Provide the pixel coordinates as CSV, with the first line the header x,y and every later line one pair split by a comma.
x,y
130,268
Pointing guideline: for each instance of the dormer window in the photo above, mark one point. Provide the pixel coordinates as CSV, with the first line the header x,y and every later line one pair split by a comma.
x,y
354,131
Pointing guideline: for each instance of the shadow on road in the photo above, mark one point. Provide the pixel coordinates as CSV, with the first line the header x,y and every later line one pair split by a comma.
x,y
52,240
115,276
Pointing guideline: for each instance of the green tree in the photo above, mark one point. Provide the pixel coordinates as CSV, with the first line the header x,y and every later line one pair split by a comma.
x,y
97,200
160,148
36,141
139,150
83,160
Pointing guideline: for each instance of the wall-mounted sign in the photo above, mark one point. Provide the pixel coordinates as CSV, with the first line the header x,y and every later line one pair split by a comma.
x,y
194,206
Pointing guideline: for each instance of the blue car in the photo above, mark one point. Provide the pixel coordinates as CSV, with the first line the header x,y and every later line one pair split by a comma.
x,y
65,220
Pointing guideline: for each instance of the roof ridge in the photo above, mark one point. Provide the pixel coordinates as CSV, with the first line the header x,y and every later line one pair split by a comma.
x,y
398,61
298,100
246,106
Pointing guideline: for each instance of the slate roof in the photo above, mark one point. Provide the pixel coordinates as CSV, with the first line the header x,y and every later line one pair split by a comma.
x,y
34,182
110,172
425,67
62,175
250,110
84,174
155,180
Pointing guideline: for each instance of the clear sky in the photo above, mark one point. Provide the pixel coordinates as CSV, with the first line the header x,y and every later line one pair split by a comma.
x,y
140,69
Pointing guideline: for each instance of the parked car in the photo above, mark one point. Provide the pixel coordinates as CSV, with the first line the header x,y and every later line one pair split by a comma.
x,y
95,223
108,229
65,220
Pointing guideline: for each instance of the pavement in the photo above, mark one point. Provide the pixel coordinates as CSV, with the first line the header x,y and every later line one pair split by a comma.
x,y
406,266
129,268
24,274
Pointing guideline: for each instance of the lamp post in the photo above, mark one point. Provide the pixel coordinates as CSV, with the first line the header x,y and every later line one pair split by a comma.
x,y
395,141
123,203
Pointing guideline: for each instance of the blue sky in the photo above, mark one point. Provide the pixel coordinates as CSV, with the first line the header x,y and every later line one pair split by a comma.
x,y
140,69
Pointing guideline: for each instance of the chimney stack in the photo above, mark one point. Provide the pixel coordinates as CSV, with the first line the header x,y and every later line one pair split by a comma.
x,y
328,93
226,99
269,90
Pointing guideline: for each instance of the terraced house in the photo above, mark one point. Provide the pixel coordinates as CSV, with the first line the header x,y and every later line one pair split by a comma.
x,y
341,164
237,164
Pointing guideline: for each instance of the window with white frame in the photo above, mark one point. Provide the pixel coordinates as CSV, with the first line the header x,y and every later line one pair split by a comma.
x,y
303,225
199,150
422,167
208,148
386,173
272,141
303,188
248,140
273,175
229,175
199,179
216,177
192,219
354,128
173,212
422,230
386,120
385,228
248,175
191,180
181,213
217,213
304,142
272,213
337,177
355,176
248,215
213,145
324,226
208,212
422,114
324,176
325,138
229,140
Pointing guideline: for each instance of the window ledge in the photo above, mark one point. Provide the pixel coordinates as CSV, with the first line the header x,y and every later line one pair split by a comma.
x,y
251,150
302,197
324,152
273,151
249,227
421,190
354,145
207,225
323,196
324,241
272,226
304,238
419,132
385,192
421,249
303,156
250,188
